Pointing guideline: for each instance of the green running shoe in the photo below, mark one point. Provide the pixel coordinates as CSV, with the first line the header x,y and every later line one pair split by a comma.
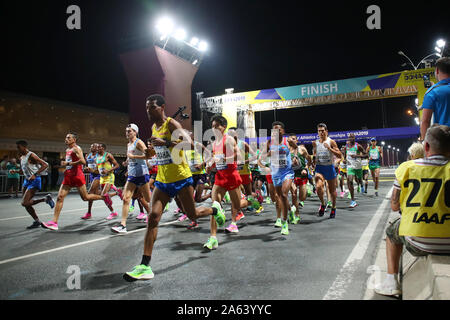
x,y
268,201
141,272
278,223
291,214
220,216
253,202
285,229
131,208
296,220
167,207
212,243
302,203
227,197
349,196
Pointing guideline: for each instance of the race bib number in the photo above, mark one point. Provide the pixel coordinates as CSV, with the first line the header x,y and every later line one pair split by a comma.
x,y
192,165
324,157
93,166
280,161
163,155
240,167
220,162
102,172
373,155
68,159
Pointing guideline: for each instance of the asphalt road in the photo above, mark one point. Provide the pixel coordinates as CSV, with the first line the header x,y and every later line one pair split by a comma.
x,y
321,258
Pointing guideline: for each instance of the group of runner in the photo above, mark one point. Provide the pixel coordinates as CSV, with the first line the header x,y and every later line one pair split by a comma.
x,y
171,165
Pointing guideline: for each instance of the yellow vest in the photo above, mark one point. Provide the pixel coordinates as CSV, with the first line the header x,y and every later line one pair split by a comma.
x,y
425,197
195,158
102,165
172,167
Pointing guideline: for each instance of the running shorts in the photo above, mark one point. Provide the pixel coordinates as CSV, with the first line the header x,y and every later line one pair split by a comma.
x,y
278,180
328,172
374,166
94,176
36,183
228,179
74,181
139,181
355,172
365,172
198,179
300,181
173,188
246,179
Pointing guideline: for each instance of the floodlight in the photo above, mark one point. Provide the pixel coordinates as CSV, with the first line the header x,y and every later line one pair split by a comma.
x,y
440,43
180,34
165,26
194,41
203,46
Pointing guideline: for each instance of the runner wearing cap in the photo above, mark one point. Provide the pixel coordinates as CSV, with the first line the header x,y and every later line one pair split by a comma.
x,y
138,175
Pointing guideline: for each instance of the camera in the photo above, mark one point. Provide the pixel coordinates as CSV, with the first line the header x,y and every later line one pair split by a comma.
x,y
426,81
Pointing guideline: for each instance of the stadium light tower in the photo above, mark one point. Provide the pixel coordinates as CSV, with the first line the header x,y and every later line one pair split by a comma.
x,y
439,48
191,50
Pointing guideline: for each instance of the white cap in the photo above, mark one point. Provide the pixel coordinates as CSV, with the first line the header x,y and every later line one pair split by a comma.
x,y
134,127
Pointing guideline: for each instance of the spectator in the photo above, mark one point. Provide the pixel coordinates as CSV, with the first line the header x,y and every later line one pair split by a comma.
x,y
3,164
12,182
424,226
44,175
437,99
416,151
61,170
54,173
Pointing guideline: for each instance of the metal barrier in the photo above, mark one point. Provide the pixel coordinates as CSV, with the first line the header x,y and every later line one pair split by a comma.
x,y
4,178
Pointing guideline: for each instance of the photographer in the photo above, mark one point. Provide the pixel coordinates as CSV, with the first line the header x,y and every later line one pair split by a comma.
x,y
437,99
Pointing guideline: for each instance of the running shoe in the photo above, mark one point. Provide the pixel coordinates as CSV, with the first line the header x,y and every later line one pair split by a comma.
x,y
111,216
291,214
240,216
232,228
302,204
365,190
353,204
177,211
278,223
227,197
182,217
261,209
141,272
359,189
220,216
120,229
268,201
376,193
329,204
36,224
141,216
253,202
349,196
107,200
50,225
212,243
285,228
49,201
192,225
362,189
86,216
166,207
342,194
296,219
333,213
119,193
321,211
131,209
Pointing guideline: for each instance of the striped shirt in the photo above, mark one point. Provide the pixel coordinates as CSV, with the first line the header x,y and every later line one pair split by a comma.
x,y
429,245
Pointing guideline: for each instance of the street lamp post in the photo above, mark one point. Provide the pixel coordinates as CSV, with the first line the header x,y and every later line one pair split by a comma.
x,y
382,150
389,156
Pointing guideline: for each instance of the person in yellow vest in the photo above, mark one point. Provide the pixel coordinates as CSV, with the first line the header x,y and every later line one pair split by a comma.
x,y
420,192
174,178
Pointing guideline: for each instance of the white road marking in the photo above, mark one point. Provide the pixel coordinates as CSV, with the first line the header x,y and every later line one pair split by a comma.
x,y
78,244
47,213
345,276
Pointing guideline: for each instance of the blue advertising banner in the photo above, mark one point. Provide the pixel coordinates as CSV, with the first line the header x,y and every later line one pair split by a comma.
x,y
340,136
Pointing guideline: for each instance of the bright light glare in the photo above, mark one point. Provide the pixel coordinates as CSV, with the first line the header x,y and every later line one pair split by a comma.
x,y
195,62
440,43
416,101
180,34
437,49
194,41
203,46
417,120
165,26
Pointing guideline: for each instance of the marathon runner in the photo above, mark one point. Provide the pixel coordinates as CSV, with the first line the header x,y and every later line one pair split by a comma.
x,y
324,149
354,152
31,166
375,156
73,178
91,168
174,178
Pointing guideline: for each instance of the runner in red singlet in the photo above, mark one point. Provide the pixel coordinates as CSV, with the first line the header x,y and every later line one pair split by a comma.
x,y
73,178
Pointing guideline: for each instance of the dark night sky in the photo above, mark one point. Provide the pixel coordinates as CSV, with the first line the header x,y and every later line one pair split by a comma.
x,y
253,45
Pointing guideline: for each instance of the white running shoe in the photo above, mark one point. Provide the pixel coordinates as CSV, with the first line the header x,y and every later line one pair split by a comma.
x,y
388,288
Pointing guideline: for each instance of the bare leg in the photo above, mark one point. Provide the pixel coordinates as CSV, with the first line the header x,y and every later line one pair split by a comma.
x,y
393,253
63,192
28,202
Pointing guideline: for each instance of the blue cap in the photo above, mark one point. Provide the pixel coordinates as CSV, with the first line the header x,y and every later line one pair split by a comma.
x,y
373,139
